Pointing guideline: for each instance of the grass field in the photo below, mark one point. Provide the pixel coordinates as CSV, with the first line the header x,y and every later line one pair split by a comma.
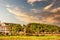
x,y
29,38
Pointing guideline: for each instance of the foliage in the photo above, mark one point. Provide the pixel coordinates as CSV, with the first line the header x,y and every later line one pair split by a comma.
x,y
32,28
37,28
14,28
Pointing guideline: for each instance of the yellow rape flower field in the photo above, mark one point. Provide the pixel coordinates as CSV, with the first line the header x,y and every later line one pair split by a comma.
x,y
29,37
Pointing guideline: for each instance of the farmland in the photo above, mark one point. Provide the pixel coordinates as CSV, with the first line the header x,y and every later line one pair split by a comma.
x,y
29,37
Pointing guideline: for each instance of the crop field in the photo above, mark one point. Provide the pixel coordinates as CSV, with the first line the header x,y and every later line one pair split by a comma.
x,y
29,37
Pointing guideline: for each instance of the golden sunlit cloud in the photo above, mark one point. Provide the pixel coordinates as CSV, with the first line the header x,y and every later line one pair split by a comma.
x,y
31,1
23,15
50,5
50,19
55,10
48,11
16,12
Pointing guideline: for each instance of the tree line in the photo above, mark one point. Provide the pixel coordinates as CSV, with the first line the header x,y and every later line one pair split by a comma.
x,y
32,29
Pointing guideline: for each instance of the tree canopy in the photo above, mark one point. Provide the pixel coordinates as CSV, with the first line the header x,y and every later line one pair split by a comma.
x,y
32,28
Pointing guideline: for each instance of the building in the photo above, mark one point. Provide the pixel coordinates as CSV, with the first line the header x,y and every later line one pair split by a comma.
x,y
3,28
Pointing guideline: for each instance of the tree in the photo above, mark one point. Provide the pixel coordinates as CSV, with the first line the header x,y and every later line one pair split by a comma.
x,y
33,28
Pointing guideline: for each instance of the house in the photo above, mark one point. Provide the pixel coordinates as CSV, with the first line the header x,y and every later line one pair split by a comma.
x,y
3,29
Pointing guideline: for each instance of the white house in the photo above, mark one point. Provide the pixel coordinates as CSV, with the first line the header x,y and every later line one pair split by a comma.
x,y
3,28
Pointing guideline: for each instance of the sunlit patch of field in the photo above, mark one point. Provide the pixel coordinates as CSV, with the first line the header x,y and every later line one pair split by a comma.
x,y
29,38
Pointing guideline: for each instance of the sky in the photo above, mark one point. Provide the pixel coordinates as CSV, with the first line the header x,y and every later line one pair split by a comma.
x,y
30,11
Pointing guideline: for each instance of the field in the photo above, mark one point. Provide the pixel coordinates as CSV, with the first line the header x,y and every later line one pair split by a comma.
x,y
29,38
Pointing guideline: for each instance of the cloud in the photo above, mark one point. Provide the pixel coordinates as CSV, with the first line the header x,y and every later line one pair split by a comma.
x,y
32,1
50,17
35,10
55,10
47,14
54,16
45,18
48,7
7,5
16,12
22,16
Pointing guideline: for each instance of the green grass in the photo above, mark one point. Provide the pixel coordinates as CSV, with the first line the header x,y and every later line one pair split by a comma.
x,y
29,38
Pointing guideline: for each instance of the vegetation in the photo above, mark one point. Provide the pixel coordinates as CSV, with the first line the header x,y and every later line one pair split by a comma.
x,y
32,29
29,38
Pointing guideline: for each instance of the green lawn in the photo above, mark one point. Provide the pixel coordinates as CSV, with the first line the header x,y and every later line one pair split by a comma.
x,y
29,38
